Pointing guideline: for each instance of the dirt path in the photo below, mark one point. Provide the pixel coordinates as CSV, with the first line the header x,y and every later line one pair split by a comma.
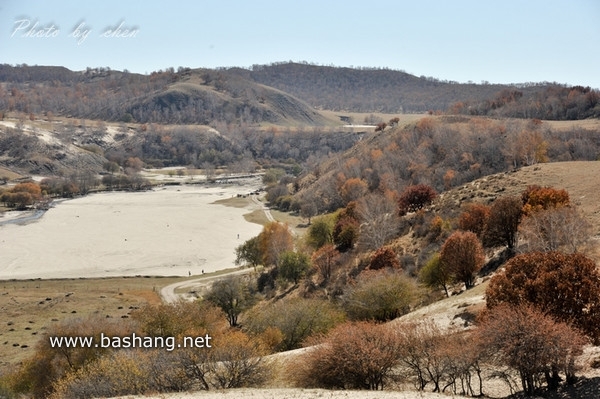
x,y
265,209
169,295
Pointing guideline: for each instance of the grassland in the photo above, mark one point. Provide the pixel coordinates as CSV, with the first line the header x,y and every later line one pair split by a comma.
x,y
29,307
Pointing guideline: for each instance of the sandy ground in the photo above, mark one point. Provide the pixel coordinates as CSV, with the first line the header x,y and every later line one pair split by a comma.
x,y
168,231
289,393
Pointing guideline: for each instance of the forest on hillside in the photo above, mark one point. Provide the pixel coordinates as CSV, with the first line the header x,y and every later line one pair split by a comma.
x,y
278,93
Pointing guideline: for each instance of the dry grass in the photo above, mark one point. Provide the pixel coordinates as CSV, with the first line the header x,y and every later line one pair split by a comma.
x,y
29,307
8,174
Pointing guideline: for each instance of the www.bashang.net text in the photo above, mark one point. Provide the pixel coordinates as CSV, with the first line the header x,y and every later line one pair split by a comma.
x,y
130,342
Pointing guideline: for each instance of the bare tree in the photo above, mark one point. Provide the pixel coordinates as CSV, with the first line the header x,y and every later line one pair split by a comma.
x,y
379,220
555,229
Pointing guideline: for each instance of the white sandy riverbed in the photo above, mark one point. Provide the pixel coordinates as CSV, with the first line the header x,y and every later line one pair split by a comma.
x,y
167,231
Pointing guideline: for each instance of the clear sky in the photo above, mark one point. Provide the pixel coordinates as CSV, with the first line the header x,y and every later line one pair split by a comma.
x,y
500,41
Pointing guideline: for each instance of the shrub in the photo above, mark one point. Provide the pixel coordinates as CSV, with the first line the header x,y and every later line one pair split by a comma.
x,y
530,343
384,258
352,356
474,218
296,319
379,296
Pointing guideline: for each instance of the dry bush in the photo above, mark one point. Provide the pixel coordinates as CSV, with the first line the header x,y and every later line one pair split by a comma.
x,y
531,343
379,296
352,356
237,361
384,258
441,358
556,229
180,319
234,361
117,374
416,197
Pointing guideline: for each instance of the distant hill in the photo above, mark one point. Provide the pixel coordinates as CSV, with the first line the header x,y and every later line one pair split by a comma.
x,y
371,90
285,94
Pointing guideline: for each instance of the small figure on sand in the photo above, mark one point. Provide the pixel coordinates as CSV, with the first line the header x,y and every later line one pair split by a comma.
x,y
189,273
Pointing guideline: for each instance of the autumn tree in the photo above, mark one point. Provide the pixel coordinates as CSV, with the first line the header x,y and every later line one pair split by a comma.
x,y
530,342
462,255
384,258
324,260
233,295
352,356
274,240
22,195
415,197
347,227
435,274
503,222
474,218
380,127
353,189
564,286
308,210
536,198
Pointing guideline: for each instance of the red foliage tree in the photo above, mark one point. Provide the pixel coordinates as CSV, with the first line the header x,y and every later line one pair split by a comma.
x,y
416,197
565,286
347,227
383,258
462,255
474,218
503,223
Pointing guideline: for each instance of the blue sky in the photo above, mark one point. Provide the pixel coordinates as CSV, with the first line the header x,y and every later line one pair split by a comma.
x,y
508,41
